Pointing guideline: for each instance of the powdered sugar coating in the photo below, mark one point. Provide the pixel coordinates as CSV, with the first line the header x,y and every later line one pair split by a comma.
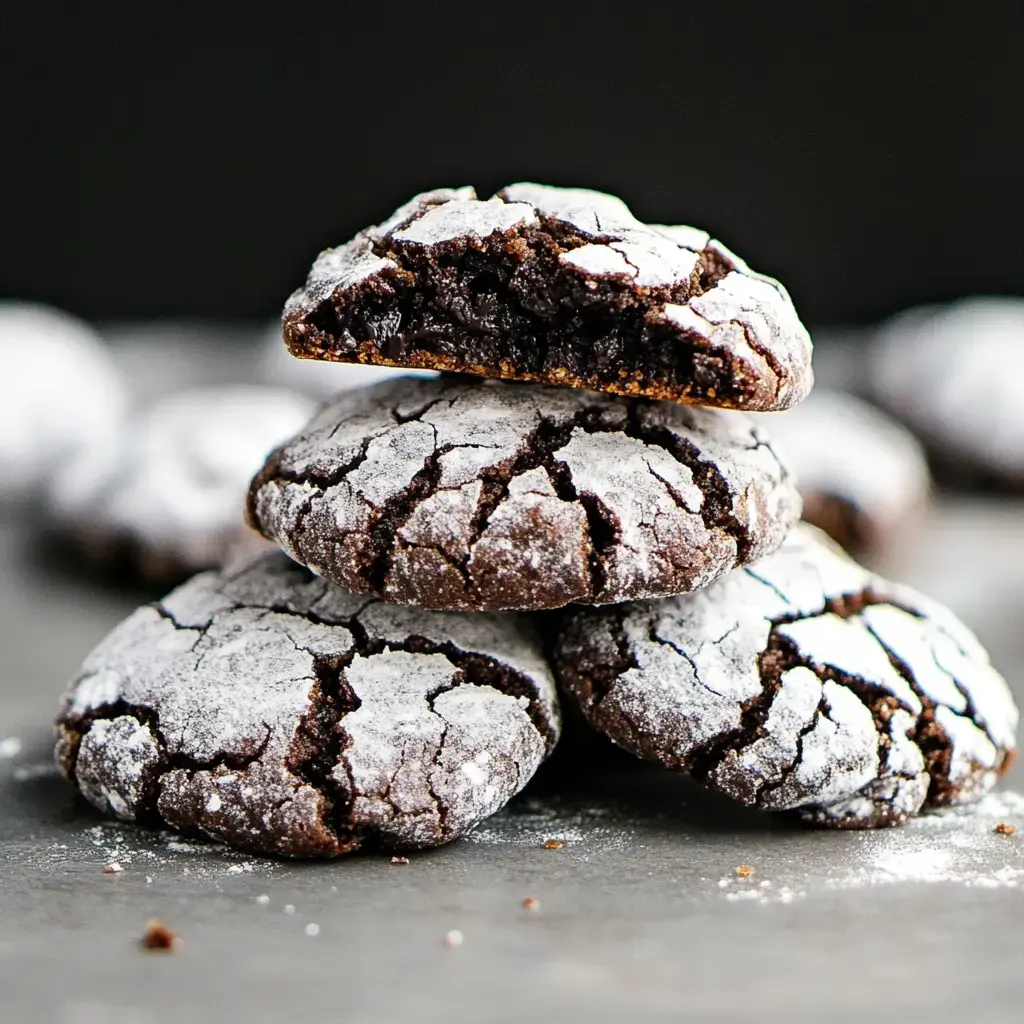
x,y
727,335
800,682
61,394
841,449
279,713
951,373
173,486
491,496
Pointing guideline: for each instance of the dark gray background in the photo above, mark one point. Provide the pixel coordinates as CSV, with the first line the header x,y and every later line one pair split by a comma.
x,y
192,158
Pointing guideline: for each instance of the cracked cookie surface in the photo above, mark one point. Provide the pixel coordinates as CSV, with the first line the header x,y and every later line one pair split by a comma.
x,y
467,495
554,285
276,712
167,498
801,682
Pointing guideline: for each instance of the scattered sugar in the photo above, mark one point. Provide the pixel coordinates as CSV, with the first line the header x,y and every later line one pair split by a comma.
x,y
30,772
956,847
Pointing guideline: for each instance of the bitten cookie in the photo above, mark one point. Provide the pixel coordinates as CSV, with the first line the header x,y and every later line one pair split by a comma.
x,y
467,495
319,378
862,476
276,712
556,285
802,682
951,373
60,393
168,499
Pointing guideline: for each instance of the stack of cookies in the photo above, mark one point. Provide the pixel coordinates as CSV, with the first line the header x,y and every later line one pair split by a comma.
x,y
381,680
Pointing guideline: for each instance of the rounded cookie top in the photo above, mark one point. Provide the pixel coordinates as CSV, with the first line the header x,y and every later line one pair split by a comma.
x,y
60,393
170,493
554,285
278,713
467,495
802,681
862,476
952,372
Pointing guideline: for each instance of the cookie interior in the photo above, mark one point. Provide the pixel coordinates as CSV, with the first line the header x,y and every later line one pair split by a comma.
x,y
506,306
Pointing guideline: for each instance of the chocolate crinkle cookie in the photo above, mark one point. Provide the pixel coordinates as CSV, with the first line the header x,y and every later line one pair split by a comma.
x,y
554,285
863,477
952,373
466,495
278,713
60,394
168,498
802,682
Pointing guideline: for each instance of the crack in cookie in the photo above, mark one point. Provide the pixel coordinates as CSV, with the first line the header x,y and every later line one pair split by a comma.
x,y
491,496
554,285
276,712
801,683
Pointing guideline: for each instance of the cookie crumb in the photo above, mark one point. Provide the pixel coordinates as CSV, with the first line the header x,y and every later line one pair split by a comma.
x,y
553,844
312,930
1004,829
159,937
744,871
263,900
289,908
400,860
531,903
453,938
113,868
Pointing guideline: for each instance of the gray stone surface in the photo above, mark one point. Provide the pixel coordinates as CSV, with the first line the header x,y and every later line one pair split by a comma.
x,y
642,914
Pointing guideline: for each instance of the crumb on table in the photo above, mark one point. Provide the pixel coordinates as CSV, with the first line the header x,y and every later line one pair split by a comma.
x,y
400,860
531,903
1004,829
113,868
159,937
744,871
453,938
553,844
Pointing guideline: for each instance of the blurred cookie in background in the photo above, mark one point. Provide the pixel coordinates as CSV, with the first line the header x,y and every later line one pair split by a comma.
x,y
952,374
168,499
862,476
316,377
161,357
60,394
839,358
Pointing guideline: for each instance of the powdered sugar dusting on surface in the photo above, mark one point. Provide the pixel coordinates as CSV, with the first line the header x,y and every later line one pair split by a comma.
x,y
957,846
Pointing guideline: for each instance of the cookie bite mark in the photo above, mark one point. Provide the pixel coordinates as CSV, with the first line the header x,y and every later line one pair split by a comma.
x,y
273,711
800,683
558,286
489,496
